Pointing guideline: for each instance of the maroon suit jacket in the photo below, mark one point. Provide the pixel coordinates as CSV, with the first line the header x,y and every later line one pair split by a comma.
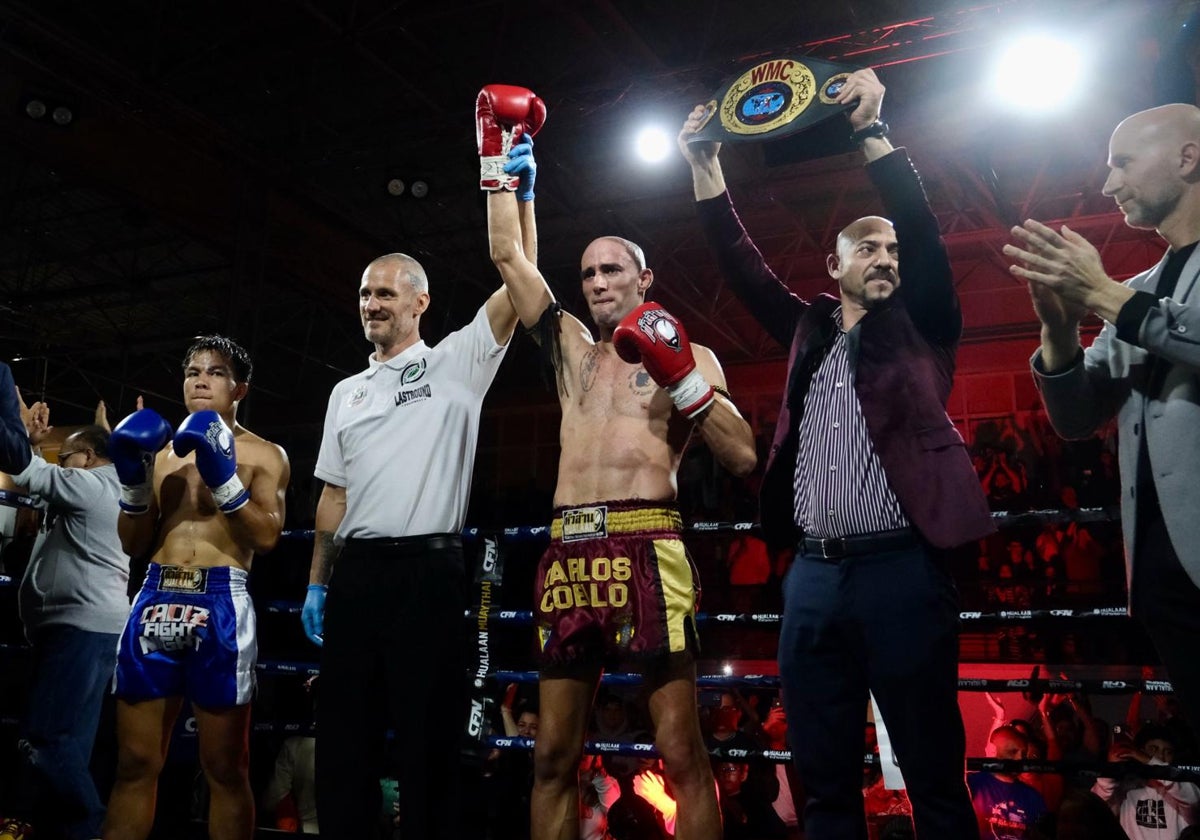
x,y
903,359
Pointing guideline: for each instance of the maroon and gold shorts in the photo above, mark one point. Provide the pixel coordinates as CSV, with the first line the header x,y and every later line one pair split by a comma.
x,y
615,582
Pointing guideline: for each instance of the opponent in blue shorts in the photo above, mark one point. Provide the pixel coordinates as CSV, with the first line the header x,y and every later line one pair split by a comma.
x,y
205,504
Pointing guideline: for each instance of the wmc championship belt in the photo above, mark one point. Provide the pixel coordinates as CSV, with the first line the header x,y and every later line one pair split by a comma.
x,y
775,98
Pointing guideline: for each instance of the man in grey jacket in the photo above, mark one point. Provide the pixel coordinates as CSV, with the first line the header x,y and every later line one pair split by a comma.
x,y
1143,368
73,602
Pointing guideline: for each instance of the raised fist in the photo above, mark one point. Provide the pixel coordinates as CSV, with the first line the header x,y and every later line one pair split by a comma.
x,y
502,112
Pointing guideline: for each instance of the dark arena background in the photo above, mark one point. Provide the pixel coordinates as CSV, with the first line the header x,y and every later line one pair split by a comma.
x,y
169,169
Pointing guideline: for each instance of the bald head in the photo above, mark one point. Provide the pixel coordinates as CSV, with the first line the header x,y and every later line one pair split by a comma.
x,y
860,229
632,248
1154,171
401,267
1167,124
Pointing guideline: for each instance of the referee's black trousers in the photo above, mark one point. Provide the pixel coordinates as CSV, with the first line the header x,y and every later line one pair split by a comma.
x,y
393,658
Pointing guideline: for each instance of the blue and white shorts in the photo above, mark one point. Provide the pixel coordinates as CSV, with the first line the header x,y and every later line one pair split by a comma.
x,y
191,634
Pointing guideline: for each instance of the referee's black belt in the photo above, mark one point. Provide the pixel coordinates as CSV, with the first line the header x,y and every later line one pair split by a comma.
x,y
835,549
421,542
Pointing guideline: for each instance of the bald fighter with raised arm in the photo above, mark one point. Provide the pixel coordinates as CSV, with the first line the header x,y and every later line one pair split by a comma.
x,y
616,581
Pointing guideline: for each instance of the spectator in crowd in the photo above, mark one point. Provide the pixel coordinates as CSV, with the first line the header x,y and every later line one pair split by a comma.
x,y
1072,733
1082,557
73,602
1149,809
1167,711
1006,808
597,793
650,785
632,817
290,795
884,806
789,802
1003,484
512,781
725,724
747,815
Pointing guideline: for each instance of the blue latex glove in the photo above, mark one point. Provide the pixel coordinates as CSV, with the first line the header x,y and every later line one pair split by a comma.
x,y
521,162
313,614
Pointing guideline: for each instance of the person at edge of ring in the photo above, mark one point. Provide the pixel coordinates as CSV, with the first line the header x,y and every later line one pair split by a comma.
x,y
1141,369
73,603
387,589
616,580
869,481
203,506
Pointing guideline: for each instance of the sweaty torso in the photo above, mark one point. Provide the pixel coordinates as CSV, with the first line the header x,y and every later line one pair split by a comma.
x,y
192,532
620,436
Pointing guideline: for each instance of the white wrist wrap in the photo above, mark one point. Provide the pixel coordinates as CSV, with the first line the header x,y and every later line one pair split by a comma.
x,y
492,176
135,500
231,495
692,394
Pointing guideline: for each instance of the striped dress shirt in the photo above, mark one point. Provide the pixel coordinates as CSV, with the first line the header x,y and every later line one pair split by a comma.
x,y
840,487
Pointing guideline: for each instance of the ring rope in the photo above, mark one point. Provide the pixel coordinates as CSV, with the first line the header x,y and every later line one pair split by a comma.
x,y
524,533
525,617
1107,769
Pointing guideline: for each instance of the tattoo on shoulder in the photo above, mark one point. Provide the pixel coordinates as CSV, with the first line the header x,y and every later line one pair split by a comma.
x,y
587,368
641,383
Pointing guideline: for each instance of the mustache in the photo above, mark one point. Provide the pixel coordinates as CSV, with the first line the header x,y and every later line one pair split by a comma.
x,y
883,274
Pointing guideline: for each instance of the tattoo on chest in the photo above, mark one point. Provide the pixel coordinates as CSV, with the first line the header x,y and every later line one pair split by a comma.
x,y
588,367
641,383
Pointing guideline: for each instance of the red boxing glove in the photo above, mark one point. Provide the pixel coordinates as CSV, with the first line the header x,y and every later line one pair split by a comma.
x,y
503,112
652,336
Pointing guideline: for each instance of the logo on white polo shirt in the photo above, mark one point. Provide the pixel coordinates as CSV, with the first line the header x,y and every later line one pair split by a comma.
x,y
409,374
412,371
356,398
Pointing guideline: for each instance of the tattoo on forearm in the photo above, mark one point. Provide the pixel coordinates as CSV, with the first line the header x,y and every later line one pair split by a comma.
x,y
327,553
587,368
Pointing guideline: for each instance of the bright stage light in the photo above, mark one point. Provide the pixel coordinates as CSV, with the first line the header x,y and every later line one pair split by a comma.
x,y
653,145
1037,74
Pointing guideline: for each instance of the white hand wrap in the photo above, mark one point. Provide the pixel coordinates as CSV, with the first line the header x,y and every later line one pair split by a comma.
x,y
231,495
692,394
492,176
135,500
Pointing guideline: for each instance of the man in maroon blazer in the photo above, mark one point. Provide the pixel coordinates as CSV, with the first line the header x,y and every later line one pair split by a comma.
x,y
870,482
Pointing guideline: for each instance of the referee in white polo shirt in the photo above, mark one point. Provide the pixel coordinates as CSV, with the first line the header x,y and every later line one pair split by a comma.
x,y
387,587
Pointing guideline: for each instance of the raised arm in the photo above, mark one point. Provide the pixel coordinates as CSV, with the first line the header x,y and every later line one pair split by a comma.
x,y
525,285
742,264
708,180
506,118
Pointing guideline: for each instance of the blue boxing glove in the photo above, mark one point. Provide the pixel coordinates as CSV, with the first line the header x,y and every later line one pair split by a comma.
x,y
206,433
313,614
133,445
522,164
